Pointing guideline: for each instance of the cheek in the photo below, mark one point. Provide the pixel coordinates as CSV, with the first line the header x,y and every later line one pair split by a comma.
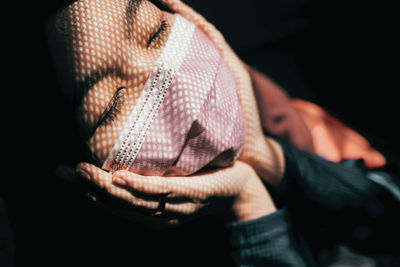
x,y
102,47
106,135
101,96
96,101
103,141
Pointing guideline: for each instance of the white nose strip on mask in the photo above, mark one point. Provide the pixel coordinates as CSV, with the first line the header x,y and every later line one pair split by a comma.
x,y
131,138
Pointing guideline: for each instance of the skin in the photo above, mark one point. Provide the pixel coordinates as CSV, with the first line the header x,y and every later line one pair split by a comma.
x,y
233,194
102,37
113,52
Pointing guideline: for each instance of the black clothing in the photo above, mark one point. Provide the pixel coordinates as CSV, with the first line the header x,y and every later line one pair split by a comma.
x,y
271,240
325,204
342,200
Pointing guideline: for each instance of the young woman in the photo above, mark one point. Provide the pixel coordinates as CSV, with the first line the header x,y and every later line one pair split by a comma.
x,y
111,60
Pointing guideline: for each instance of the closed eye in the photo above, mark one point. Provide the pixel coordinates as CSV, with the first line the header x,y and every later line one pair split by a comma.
x,y
158,33
114,108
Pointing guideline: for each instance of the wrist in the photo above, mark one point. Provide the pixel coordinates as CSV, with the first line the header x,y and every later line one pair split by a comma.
x,y
253,200
270,164
251,211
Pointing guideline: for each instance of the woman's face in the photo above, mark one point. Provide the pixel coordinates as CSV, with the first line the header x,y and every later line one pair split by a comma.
x,y
108,51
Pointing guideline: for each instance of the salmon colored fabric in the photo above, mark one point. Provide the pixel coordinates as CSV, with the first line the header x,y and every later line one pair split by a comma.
x,y
333,140
308,126
278,117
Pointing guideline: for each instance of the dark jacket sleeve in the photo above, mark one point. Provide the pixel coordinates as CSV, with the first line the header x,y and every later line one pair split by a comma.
x,y
268,241
344,202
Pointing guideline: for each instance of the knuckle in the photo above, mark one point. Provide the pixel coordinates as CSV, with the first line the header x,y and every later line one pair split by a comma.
x,y
191,209
122,173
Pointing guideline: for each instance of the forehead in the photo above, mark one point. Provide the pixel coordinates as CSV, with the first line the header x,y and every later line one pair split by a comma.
x,y
111,20
87,17
104,32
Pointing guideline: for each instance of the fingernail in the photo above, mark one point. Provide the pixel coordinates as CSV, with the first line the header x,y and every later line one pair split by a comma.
x,y
84,173
119,181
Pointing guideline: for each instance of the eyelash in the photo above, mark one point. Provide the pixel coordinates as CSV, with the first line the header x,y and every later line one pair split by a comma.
x,y
158,33
111,113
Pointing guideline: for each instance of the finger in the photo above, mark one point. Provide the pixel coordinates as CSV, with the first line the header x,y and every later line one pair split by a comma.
x,y
103,179
94,174
140,203
200,187
67,173
144,209
182,210
149,206
175,207
185,196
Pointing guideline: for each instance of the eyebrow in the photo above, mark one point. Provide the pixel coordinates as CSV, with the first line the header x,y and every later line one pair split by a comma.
x,y
130,14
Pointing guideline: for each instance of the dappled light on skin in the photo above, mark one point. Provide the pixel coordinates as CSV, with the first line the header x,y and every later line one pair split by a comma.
x,y
111,57
107,42
335,141
157,97
236,192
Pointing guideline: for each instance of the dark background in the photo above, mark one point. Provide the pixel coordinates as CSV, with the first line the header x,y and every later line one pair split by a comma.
x,y
339,54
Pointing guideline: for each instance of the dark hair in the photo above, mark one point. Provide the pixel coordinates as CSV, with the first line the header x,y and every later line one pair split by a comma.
x,y
48,132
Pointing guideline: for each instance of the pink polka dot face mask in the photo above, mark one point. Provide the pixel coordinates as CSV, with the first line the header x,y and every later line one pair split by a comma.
x,y
188,115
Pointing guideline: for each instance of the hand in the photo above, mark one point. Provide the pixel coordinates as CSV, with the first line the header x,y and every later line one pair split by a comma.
x,y
234,193
264,155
